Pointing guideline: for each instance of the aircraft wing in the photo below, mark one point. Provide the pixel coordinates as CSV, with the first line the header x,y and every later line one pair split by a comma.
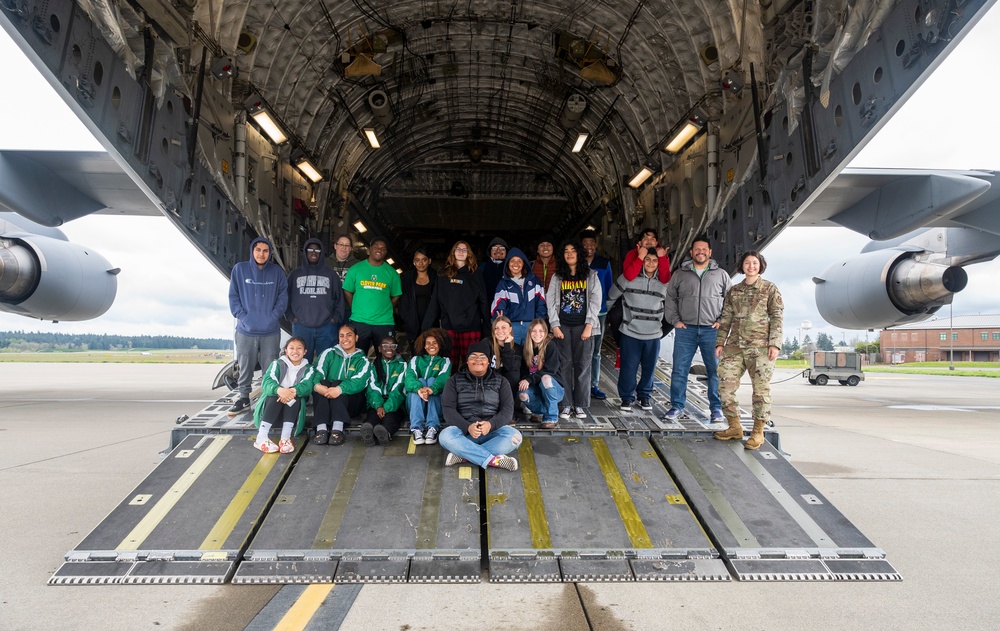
x,y
54,187
887,203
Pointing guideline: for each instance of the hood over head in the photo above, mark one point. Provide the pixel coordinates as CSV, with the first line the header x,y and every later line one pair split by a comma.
x,y
270,258
322,253
516,252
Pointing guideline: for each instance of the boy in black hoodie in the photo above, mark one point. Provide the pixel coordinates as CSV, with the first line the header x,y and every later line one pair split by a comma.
x,y
315,300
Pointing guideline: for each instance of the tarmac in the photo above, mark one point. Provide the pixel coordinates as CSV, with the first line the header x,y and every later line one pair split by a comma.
x,y
912,460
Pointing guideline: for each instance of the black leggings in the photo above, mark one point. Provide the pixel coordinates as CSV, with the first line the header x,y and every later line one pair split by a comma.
x,y
275,411
328,411
392,420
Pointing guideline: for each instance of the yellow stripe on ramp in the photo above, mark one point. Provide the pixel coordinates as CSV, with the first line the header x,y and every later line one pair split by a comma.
x,y
537,523
224,526
305,608
626,509
173,495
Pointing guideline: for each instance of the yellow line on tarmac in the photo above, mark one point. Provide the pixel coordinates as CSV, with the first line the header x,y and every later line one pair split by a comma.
x,y
302,611
173,495
539,525
626,509
224,526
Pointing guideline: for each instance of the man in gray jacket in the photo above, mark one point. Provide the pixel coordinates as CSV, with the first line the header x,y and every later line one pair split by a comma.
x,y
694,304
642,313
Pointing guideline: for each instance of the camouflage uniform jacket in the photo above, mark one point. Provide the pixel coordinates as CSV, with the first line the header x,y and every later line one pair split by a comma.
x,y
751,316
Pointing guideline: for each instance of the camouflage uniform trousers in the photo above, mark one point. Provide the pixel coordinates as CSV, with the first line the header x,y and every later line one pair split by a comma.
x,y
736,361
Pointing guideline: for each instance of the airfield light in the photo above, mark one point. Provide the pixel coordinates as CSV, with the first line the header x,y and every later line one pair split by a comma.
x,y
372,138
303,164
360,227
641,176
580,141
687,130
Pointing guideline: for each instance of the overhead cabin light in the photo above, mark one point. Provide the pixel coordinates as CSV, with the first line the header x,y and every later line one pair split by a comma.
x,y
594,228
390,261
399,270
580,141
303,164
643,175
265,120
372,138
687,130
360,227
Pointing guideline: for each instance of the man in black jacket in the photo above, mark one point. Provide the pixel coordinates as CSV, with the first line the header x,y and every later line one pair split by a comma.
x,y
478,407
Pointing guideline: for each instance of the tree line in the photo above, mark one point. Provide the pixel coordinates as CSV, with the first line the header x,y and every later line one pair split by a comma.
x,y
23,341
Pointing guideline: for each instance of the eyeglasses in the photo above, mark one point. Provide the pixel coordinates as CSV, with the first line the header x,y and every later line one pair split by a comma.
x,y
498,247
388,345
478,358
313,250
461,249
342,245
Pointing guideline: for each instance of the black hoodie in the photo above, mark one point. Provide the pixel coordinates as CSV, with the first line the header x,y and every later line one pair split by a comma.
x,y
315,294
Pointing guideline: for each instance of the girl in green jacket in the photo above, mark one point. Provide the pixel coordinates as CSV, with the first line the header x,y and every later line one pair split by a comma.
x,y
339,387
287,382
386,399
426,374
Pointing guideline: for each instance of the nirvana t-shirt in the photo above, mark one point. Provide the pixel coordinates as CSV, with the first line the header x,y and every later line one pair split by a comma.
x,y
374,286
573,302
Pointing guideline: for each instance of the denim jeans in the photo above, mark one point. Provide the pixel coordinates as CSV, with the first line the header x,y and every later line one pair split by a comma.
x,y
544,399
423,414
686,342
595,366
520,331
318,339
637,354
502,440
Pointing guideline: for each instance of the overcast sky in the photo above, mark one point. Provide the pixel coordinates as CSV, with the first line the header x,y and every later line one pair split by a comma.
x,y
166,287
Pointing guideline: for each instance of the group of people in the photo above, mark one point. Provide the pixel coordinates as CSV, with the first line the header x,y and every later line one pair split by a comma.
x,y
486,340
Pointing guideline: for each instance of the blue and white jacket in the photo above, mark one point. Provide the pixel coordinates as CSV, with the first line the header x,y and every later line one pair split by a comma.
x,y
520,303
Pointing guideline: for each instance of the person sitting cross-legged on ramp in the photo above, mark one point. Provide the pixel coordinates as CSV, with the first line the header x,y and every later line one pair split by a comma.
x,y
478,408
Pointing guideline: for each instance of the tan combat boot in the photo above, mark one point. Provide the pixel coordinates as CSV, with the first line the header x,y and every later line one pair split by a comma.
x,y
756,437
735,431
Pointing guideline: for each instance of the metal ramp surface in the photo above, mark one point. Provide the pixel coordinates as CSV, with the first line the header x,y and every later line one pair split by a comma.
x,y
187,522
353,513
593,508
767,519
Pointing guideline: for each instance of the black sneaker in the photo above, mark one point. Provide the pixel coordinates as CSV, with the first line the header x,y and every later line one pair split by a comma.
x,y
382,435
242,405
645,404
626,405
367,434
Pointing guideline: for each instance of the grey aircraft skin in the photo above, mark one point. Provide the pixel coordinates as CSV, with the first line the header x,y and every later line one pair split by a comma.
x,y
238,119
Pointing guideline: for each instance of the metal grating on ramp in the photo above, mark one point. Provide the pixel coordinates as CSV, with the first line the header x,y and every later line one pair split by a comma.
x,y
381,514
768,520
593,508
187,521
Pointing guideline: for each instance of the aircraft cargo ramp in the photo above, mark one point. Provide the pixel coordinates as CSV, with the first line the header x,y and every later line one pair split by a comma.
x,y
613,497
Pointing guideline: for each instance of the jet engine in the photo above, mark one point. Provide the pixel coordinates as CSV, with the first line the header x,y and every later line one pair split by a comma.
x,y
885,288
49,279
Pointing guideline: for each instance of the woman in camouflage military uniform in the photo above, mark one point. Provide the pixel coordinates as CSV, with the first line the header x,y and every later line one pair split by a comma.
x,y
749,341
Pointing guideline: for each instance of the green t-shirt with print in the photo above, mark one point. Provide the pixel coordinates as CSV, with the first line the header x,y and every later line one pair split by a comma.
x,y
373,287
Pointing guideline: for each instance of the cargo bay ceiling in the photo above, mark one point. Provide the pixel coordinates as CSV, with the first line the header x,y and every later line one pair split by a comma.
x,y
477,105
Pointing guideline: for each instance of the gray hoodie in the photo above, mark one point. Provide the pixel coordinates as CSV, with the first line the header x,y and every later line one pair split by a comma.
x,y
696,300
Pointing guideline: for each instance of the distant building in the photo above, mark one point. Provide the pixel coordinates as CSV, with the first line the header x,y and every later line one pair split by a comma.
x,y
973,338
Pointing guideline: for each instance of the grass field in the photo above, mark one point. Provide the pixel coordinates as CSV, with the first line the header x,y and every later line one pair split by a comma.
x,y
134,356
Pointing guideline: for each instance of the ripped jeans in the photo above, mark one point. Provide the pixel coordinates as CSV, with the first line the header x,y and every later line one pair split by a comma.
x,y
502,440
544,398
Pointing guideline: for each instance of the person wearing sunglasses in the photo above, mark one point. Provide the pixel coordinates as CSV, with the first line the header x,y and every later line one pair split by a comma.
x,y
315,300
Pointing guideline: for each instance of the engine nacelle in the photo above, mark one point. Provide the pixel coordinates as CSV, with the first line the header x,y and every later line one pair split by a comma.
x,y
49,279
885,288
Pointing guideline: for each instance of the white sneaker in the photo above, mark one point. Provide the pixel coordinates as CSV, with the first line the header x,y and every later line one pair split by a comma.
x,y
431,437
504,462
580,413
418,437
565,412
267,446
453,460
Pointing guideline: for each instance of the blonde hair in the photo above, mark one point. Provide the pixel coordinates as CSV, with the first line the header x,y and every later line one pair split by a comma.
x,y
529,344
496,345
